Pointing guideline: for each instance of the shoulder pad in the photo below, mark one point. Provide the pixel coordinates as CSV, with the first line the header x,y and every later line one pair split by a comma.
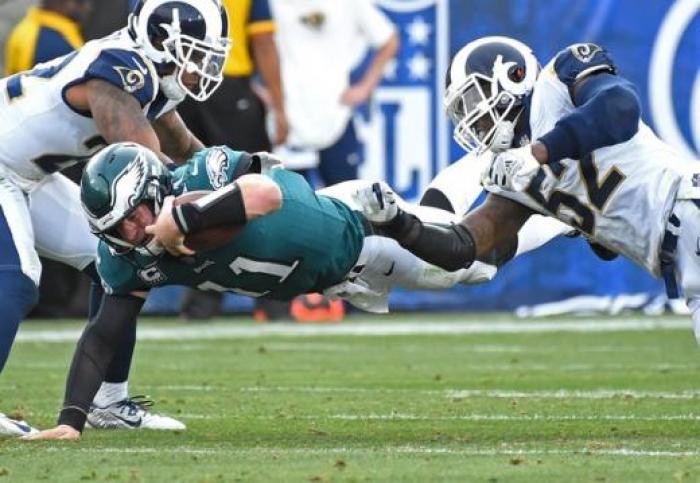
x,y
118,276
213,168
127,70
579,60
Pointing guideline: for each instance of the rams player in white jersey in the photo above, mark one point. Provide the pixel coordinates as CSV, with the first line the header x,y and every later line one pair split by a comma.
x,y
124,87
567,141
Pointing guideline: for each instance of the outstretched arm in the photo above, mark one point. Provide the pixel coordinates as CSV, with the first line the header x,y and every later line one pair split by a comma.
x,y
247,198
485,234
96,347
176,140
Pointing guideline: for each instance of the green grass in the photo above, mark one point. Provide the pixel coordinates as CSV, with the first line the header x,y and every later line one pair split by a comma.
x,y
553,406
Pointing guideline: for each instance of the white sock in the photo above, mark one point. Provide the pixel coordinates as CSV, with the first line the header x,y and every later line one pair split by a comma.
x,y
537,231
460,182
111,392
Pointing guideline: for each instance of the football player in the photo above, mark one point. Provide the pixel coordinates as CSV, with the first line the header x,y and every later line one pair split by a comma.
x,y
292,241
566,141
124,87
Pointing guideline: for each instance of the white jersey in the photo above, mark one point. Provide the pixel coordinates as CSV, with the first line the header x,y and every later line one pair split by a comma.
x,y
40,133
622,195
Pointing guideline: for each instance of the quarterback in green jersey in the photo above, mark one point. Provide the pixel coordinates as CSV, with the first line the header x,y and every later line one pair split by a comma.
x,y
292,241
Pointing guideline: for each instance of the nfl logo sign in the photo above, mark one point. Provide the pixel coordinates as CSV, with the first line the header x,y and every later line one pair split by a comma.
x,y
404,129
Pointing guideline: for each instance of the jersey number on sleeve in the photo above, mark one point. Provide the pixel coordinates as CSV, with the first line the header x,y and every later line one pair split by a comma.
x,y
14,84
598,194
243,264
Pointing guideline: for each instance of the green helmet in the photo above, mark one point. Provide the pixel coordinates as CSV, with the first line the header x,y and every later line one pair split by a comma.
x,y
115,181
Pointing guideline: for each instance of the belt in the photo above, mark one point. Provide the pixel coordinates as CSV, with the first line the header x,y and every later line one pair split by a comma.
x,y
668,252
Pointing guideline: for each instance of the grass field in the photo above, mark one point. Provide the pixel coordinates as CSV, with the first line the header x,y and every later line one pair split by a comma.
x,y
405,398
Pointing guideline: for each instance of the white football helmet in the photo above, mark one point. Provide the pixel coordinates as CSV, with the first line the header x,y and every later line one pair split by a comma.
x,y
488,83
192,34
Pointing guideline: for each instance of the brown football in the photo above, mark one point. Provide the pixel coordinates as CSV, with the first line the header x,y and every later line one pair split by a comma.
x,y
211,238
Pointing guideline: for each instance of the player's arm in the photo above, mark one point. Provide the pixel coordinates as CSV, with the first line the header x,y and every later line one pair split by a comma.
x,y
607,107
486,234
95,349
267,63
176,140
247,198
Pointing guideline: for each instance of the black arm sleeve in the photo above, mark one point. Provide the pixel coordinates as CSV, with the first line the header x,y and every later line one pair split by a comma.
x,y
103,334
449,247
222,207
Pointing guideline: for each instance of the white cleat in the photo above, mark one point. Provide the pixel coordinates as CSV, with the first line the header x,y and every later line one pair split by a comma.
x,y
12,427
131,413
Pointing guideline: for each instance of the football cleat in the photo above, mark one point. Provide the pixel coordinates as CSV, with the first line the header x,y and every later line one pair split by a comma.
x,y
131,413
12,427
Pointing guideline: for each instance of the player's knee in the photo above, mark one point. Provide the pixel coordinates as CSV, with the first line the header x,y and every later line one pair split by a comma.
x,y
19,293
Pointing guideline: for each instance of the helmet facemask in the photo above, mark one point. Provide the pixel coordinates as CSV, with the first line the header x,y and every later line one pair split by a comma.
x,y
183,38
204,58
489,83
483,114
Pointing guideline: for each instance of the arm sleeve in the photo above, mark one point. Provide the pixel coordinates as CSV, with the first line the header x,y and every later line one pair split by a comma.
x,y
127,71
607,106
96,347
449,247
373,23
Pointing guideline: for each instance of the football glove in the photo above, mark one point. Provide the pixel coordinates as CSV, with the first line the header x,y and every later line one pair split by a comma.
x,y
377,202
511,170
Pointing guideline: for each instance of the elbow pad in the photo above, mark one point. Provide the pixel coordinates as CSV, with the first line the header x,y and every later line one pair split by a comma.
x,y
220,208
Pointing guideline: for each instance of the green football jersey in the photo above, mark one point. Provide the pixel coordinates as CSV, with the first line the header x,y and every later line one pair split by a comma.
x,y
309,244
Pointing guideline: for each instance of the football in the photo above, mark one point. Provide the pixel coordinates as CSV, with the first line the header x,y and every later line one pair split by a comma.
x,y
211,238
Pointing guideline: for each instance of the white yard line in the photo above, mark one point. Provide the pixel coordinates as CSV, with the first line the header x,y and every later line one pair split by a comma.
x,y
490,393
460,417
390,450
219,331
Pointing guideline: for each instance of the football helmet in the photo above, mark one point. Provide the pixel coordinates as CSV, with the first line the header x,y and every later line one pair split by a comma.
x,y
488,83
192,34
115,181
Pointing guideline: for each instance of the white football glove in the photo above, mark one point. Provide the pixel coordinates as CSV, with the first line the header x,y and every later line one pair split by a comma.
x,y
378,202
511,170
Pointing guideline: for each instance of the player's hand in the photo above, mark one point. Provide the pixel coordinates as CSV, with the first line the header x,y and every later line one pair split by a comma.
x,y
511,170
61,432
166,232
378,202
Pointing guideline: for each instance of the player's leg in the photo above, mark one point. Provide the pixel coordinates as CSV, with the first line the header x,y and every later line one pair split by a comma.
x,y
456,187
20,271
62,234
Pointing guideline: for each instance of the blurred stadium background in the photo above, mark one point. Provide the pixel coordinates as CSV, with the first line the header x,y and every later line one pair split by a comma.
x,y
408,139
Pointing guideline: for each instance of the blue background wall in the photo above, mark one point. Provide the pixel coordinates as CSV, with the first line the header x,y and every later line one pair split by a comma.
x,y
629,29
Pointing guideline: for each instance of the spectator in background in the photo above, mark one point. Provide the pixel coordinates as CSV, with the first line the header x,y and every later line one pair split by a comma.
x,y
318,41
48,31
235,115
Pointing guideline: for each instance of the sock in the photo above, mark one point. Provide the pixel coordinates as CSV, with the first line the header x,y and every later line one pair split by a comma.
x,y
111,392
459,183
537,231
